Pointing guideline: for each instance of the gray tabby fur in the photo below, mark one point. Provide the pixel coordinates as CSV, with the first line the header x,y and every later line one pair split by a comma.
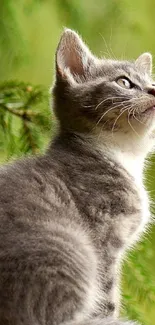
x,y
67,217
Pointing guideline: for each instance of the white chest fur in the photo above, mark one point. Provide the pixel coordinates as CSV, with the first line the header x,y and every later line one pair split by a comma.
x,y
134,166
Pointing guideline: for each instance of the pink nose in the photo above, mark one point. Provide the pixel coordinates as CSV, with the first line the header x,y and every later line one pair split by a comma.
x,y
151,91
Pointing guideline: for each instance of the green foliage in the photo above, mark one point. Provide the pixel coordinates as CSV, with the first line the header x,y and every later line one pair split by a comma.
x,y
29,32
22,118
139,283
11,40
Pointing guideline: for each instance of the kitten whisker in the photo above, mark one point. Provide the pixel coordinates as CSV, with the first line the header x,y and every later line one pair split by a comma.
x,y
110,109
133,112
125,109
112,98
131,125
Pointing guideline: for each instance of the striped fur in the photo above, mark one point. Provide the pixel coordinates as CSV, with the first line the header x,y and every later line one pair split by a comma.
x,y
67,217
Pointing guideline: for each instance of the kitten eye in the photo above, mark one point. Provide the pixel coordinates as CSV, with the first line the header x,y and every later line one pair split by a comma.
x,y
124,83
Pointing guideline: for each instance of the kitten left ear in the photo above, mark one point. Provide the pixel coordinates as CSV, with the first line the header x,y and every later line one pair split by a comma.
x,y
144,63
73,58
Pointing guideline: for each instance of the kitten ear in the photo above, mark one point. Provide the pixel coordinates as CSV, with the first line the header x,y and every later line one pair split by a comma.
x,y
73,58
144,63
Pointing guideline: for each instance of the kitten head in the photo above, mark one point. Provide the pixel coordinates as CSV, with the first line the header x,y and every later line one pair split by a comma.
x,y
99,96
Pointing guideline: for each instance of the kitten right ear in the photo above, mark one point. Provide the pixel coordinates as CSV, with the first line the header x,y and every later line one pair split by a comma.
x,y
73,58
144,63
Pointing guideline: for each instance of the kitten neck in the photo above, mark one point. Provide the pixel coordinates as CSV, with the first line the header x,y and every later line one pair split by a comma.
x,y
130,151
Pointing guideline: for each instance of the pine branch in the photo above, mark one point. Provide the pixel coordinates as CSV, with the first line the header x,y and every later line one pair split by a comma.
x,y
25,103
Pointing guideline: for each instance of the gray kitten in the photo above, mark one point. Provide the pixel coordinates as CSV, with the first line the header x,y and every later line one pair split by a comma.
x,y
67,217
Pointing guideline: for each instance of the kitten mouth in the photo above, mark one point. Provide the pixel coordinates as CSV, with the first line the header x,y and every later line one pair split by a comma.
x,y
150,109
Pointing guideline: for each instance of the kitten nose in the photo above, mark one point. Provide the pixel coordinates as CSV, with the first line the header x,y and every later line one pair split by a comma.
x,y
151,91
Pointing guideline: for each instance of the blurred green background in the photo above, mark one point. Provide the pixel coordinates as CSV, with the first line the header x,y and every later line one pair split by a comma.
x,y
29,33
